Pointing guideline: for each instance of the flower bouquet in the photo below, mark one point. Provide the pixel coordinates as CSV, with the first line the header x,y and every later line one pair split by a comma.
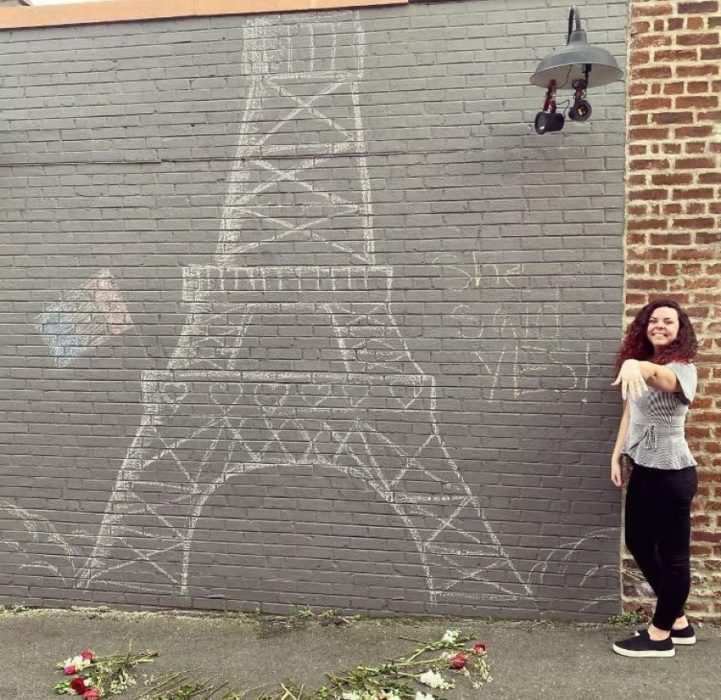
x,y
93,677
432,667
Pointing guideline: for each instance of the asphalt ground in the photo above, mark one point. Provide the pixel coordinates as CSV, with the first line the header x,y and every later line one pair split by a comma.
x,y
255,652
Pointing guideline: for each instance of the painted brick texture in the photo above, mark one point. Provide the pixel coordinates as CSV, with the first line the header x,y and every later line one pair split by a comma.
x,y
298,310
673,230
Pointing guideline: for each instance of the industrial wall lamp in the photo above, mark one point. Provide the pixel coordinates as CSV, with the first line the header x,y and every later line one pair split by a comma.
x,y
577,66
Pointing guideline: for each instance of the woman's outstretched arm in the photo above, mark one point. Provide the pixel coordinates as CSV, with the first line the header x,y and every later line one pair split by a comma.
x,y
635,375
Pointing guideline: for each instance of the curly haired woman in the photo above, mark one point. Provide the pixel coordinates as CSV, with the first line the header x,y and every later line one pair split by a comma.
x,y
658,381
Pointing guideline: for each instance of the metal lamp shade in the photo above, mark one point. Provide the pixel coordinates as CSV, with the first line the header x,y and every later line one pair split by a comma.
x,y
567,64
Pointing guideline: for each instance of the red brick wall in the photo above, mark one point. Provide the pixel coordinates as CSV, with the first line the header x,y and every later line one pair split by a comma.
x,y
673,230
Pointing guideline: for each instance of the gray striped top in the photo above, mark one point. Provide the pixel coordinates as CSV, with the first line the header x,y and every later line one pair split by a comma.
x,y
655,435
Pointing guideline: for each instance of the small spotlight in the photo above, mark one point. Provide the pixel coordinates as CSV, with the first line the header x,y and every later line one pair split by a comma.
x,y
580,111
548,121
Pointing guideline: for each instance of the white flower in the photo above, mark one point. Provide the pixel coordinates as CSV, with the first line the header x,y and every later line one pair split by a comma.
x,y
424,696
450,636
351,695
434,680
77,661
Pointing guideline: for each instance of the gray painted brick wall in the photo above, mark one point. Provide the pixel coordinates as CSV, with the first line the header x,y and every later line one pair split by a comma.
x,y
298,310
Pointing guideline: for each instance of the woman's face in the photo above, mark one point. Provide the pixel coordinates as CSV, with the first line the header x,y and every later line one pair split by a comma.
x,y
662,327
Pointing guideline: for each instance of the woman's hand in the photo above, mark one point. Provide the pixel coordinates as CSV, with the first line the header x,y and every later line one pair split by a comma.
x,y
616,473
631,380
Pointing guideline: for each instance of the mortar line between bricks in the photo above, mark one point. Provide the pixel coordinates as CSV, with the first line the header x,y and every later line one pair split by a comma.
x,y
223,159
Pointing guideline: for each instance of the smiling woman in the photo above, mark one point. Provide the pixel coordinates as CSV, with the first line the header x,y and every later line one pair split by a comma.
x,y
658,382
57,12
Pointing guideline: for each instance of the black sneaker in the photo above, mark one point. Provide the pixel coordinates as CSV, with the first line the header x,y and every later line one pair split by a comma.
x,y
641,645
685,637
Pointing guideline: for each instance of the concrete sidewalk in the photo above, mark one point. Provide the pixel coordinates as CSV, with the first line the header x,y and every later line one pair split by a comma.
x,y
527,659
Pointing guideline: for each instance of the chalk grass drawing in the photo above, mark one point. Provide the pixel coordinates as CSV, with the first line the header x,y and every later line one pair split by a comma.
x,y
37,546
570,562
84,318
210,417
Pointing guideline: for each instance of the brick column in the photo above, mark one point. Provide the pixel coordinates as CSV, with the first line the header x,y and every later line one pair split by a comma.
x,y
673,231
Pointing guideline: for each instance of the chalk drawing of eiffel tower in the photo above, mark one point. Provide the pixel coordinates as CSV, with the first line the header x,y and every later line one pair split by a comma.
x,y
297,242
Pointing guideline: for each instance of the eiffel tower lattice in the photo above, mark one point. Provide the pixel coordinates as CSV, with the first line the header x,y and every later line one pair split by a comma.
x,y
363,407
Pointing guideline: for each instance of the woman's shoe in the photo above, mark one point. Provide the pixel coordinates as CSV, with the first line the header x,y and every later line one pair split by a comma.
x,y
641,645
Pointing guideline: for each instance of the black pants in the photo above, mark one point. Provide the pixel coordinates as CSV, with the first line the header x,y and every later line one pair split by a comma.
x,y
658,534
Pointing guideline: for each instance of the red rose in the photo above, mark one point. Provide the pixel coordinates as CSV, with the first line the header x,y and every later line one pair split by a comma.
x,y
459,660
479,648
69,670
90,694
87,655
78,685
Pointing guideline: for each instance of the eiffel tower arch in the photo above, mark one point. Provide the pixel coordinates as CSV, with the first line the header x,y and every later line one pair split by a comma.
x,y
352,399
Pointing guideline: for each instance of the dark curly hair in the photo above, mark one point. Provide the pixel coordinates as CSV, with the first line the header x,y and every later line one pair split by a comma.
x,y
637,346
